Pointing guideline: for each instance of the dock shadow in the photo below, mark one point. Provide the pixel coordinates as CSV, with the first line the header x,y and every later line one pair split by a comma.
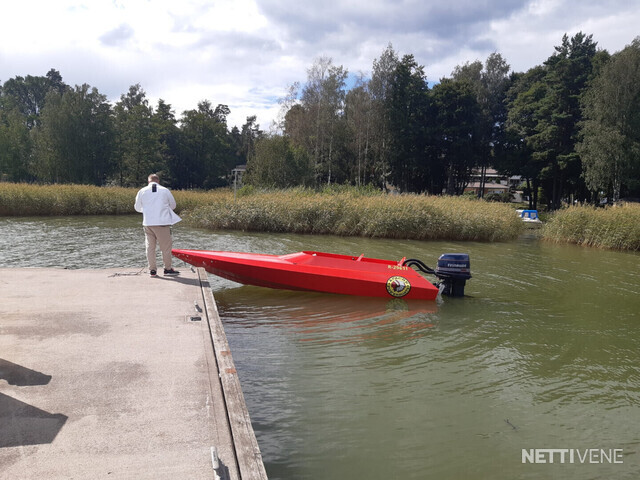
x,y
221,469
23,424
178,279
175,278
20,423
21,376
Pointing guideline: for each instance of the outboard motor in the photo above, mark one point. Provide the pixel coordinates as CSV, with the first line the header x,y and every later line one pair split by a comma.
x,y
454,269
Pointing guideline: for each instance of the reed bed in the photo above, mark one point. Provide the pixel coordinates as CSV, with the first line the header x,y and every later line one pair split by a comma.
x,y
416,217
342,211
34,200
22,199
616,227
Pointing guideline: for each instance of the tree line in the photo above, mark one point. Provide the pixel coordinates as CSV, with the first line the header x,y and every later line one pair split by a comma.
x,y
51,132
569,127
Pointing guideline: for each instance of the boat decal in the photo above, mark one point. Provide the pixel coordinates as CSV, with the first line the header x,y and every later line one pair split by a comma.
x,y
397,267
398,286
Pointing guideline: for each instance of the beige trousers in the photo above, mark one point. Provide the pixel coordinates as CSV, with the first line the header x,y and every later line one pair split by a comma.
x,y
158,235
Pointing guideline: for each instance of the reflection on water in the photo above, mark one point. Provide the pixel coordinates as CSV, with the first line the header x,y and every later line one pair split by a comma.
x,y
543,352
324,318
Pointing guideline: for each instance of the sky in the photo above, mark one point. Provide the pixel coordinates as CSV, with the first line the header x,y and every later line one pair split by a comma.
x,y
246,53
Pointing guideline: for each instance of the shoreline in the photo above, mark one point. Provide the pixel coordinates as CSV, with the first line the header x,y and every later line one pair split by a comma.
x,y
347,211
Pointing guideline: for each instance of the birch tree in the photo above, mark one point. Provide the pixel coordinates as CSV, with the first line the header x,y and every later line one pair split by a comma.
x,y
610,146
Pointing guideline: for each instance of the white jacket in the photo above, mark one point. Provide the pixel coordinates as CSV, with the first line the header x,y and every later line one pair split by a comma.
x,y
156,203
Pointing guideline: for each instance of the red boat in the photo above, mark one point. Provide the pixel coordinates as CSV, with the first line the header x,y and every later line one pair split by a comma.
x,y
319,272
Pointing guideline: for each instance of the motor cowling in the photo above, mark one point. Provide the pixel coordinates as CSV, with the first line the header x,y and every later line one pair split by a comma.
x,y
453,270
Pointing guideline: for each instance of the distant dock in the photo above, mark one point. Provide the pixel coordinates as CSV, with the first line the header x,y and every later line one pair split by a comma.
x,y
113,374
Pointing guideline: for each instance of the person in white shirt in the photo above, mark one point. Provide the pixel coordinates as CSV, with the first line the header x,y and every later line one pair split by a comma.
x,y
156,203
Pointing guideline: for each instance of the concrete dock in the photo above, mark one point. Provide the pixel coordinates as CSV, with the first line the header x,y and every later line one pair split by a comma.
x,y
114,374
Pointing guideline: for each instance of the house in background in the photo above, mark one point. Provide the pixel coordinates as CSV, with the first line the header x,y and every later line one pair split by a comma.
x,y
495,183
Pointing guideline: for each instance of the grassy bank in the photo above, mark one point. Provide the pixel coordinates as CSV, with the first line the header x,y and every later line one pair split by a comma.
x,y
342,212
612,227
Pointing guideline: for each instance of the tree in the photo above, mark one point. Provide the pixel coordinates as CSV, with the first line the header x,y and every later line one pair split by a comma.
x,y
278,163
137,149
323,103
610,146
75,137
297,127
380,89
408,122
359,118
456,119
208,156
523,99
286,103
28,94
15,146
249,135
490,83
567,74
546,112
169,145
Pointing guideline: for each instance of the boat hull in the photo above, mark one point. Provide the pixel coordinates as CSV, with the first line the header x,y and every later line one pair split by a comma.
x,y
315,271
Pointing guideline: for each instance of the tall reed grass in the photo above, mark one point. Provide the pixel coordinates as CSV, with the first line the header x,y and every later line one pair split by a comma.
x,y
22,199
615,227
342,211
32,200
351,213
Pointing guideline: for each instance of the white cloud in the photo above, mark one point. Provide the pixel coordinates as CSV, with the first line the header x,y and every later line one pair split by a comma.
x,y
245,53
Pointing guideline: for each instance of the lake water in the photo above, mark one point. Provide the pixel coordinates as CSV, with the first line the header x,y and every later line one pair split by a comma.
x,y
542,353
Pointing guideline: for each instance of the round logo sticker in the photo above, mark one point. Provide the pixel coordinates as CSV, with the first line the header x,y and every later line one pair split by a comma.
x,y
398,286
